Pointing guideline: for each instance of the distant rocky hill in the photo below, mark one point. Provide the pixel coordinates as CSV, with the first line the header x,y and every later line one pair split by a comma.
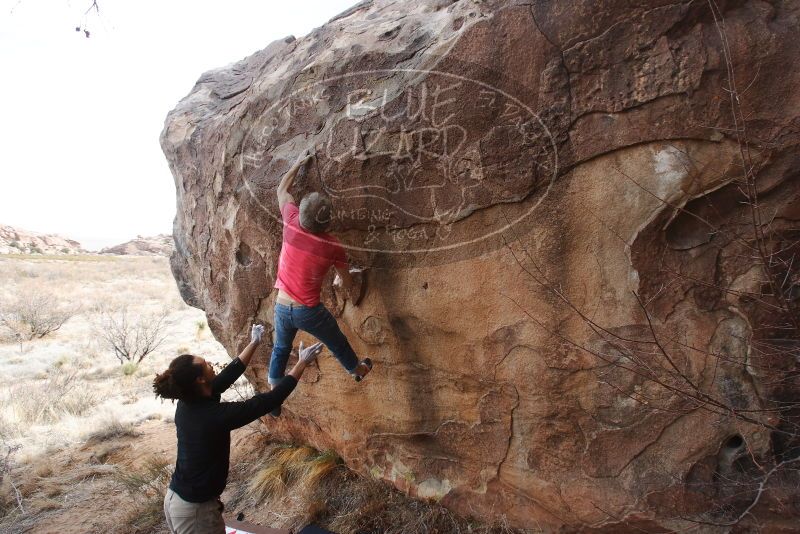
x,y
18,241
160,245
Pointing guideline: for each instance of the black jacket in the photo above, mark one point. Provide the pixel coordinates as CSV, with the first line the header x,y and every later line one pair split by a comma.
x,y
204,433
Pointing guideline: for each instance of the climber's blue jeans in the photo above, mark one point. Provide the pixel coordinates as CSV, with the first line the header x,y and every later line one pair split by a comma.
x,y
318,322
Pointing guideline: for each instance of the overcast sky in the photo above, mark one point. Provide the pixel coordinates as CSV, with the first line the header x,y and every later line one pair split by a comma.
x,y
81,117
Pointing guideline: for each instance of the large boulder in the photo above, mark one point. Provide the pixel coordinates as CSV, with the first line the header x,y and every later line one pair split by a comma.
x,y
564,297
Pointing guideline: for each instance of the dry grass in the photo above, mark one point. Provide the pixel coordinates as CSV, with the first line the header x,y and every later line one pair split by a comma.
x,y
319,467
68,385
298,467
299,485
59,257
10,497
31,492
348,504
40,402
113,430
151,477
146,486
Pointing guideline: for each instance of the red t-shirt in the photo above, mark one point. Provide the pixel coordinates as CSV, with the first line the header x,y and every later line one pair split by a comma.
x,y
305,258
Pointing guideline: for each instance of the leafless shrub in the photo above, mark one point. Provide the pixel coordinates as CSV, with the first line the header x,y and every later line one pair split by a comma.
x,y
131,339
49,400
6,464
243,389
34,316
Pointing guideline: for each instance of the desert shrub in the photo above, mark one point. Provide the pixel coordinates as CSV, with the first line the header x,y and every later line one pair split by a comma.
x,y
146,485
131,339
128,368
34,316
10,496
36,250
49,400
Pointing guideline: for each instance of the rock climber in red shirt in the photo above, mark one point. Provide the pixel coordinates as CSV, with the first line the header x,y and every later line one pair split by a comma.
x,y
307,253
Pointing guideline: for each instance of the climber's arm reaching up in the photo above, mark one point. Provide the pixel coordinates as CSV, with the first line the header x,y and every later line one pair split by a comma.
x,y
284,197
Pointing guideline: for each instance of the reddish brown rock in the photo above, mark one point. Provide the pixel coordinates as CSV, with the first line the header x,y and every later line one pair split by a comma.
x,y
520,178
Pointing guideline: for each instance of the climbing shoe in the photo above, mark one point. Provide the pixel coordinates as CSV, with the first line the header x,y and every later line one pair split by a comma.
x,y
363,368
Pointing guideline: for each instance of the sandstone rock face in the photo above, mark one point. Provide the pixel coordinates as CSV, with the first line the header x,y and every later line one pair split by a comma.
x,y
18,241
159,245
563,296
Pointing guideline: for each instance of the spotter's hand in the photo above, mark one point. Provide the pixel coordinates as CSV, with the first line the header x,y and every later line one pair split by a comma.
x,y
310,354
256,333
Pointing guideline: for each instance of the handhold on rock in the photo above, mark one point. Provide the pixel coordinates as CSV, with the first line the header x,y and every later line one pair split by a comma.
x,y
357,289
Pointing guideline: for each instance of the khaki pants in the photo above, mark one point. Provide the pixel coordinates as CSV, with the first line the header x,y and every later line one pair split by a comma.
x,y
193,518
